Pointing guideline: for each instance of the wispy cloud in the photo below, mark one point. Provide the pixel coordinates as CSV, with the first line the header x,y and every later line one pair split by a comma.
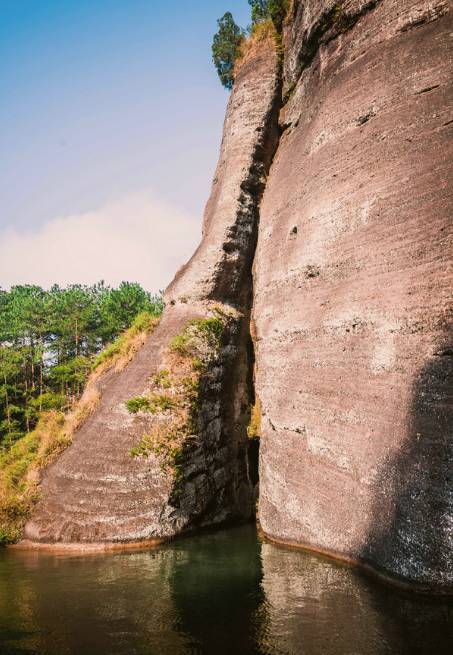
x,y
137,238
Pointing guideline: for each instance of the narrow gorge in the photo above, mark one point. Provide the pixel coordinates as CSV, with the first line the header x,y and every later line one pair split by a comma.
x,y
320,299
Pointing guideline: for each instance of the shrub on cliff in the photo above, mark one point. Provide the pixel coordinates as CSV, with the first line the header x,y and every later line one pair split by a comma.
x,y
226,48
262,10
259,11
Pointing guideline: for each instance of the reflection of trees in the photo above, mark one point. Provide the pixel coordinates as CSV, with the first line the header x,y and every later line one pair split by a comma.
x,y
216,590
95,605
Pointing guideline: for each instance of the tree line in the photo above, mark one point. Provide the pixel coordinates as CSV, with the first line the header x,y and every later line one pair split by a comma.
x,y
226,45
47,342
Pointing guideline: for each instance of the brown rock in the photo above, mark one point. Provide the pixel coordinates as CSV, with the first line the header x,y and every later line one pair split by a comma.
x,y
96,492
353,304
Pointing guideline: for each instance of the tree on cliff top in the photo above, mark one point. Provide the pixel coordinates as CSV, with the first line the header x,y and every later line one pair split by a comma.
x,y
263,10
226,48
259,11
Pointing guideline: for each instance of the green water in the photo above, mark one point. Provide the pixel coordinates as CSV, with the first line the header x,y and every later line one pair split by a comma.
x,y
222,593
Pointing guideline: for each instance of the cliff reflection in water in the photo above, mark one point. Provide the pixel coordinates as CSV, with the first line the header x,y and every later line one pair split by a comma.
x,y
315,606
221,593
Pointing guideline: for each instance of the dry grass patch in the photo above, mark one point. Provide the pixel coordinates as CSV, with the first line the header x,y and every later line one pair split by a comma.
x,y
260,32
119,353
22,464
254,427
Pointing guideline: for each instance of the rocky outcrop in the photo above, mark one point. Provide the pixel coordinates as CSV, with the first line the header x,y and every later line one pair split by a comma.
x,y
98,492
353,305
350,230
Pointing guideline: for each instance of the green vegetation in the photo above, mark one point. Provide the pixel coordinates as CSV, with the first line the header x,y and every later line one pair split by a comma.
x,y
20,464
259,11
191,353
226,48
200,337
275,10
48,340
48,346
138,404
228,43
162,379
150,404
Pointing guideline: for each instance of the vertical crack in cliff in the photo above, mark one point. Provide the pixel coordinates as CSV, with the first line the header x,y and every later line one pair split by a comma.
x,y
212,481
233,276
244,239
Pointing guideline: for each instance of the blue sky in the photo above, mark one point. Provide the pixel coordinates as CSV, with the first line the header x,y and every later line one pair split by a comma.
x,y
108,106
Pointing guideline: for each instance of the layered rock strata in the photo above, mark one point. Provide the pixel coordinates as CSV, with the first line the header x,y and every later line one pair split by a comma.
x,y
352,312
353,291
96,491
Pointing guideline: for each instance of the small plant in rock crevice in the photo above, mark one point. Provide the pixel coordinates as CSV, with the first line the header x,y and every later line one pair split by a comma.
x,y
254,426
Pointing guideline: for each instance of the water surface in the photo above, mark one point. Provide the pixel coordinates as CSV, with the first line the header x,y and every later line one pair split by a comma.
x,y
221,593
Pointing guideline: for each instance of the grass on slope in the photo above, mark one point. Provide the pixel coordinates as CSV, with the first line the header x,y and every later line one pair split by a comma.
x,y
20,465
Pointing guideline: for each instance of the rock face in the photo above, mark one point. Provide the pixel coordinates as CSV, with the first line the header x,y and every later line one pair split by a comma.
x,y
97,492
353,279
349,226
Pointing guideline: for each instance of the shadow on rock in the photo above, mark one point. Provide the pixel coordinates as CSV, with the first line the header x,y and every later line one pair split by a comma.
x,y
411,537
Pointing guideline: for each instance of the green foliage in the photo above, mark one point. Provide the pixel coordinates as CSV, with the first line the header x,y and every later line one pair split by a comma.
x,y
162,379
120,306
49,400
48,340
226,48
139,404
151,404
181,344
210,328
196,348
199,338
277,12
227,42
259,11
262,10
162,402
9,536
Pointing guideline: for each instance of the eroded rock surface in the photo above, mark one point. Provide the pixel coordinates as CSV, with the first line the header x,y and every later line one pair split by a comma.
x,y
353,281
97,492
352,318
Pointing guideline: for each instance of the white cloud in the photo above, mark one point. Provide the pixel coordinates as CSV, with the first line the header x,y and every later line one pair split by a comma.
x,y
137,238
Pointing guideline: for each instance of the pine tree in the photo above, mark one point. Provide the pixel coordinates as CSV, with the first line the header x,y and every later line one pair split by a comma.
x,y
226,48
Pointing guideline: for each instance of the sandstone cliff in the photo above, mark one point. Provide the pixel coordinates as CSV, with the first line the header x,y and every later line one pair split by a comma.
x,y
353,281
334,179
97,491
